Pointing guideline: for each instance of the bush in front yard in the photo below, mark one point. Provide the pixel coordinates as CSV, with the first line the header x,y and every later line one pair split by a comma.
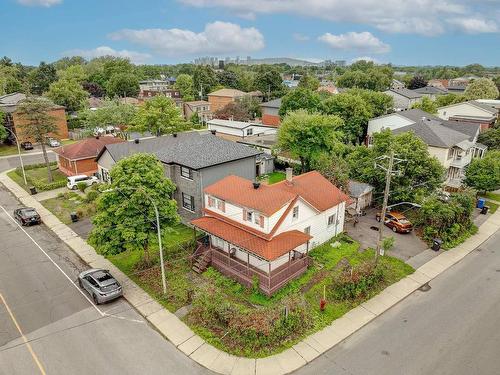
x,y
356,282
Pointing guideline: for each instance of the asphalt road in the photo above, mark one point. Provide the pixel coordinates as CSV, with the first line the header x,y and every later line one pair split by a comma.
x,y
47,324
9,162
453,328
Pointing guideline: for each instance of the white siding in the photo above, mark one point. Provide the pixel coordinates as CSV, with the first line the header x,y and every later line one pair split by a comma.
x,y
462,109
393,121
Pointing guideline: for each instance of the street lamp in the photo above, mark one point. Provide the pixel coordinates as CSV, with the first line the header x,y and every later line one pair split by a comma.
x,y
163,277
19,152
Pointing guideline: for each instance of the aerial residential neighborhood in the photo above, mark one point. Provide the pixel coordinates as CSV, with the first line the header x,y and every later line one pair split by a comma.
x,y
270,188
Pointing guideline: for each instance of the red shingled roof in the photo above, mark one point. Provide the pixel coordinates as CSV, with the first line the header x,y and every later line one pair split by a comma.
x,y
267,249
86,149
312,187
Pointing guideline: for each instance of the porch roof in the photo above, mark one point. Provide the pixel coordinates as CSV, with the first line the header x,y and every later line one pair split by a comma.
x,y
267,249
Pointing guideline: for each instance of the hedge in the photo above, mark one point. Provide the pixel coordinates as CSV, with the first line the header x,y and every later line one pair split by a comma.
x,y
40,185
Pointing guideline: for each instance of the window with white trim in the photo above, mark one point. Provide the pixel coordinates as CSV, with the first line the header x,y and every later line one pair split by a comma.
x,y
188,202
331,220
187,173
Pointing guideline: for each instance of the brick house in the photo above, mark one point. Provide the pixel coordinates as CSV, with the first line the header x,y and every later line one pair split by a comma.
x,y
15,121
266,231
201,107
220,98
270,112
79,158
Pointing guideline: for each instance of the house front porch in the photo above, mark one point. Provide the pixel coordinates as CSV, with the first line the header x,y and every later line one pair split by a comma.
x,y
271,275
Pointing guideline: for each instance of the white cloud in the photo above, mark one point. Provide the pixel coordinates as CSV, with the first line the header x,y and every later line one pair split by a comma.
x,y
364,41
300,37
474,25
424,17
217,38
134,56
40,3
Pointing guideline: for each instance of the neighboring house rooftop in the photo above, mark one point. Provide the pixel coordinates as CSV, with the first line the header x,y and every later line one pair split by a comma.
x,y
312,187
197,103
431,90
357,189
87,148
406,93
260,140
482,105
276,103
231,93
9,102
194,150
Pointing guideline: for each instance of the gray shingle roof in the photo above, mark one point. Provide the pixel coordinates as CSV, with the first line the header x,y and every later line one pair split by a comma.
x,y
484,106
357,189
407,93
276,103
195,150
430,90
433,133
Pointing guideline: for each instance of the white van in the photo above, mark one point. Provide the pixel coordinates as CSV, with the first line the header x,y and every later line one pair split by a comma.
x,y
74,180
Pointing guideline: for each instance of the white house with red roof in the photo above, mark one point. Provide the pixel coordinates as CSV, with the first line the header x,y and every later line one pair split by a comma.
x,y
266,231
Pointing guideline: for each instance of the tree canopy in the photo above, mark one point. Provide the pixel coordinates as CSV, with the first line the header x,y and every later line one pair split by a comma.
x,y
484,174
68,93
111,113
490,138
426,104
122,85
300,98
482,88
184,83
125,218
158,116
305,136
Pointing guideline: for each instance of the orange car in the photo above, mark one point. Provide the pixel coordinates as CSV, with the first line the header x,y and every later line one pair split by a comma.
x,y
397,222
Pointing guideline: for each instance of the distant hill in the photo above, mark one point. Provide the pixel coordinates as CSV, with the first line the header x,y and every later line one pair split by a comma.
x,y
279,60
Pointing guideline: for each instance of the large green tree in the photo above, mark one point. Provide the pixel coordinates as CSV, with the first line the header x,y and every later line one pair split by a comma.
x,y
268,80
3,131
418,173
111,113
353,110
300,98
490,138
426,104
184,83
372,79
448,99
125,218
158,116
482,88
309,81
484,174
68,93
41,78
38,123
123,85
306,136
204,80
380,103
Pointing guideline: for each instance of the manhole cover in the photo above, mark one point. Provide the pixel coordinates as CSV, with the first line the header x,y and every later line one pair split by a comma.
x,y
374,228
425,288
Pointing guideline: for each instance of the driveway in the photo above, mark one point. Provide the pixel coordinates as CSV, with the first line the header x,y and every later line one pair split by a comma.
x,y
406,246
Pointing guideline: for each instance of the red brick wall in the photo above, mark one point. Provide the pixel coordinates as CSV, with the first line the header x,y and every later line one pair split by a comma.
x,y
59,115
270,120
218,102
71,168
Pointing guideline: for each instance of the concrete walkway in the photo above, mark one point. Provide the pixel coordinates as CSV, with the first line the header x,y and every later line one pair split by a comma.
x,y
289,360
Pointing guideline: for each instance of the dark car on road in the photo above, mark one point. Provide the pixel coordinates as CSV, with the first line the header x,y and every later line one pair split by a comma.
x,y
27,145
101,286
397,222
27,216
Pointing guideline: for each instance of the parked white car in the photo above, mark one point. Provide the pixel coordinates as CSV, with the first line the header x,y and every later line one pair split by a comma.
x,y
52,142
73,181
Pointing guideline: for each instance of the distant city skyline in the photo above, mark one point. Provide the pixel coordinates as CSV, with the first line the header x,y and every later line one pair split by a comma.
x,y
428,32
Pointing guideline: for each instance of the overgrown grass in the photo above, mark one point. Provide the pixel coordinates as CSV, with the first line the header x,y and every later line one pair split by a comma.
x,y
6,150
494,196
273,177
38,176
63,205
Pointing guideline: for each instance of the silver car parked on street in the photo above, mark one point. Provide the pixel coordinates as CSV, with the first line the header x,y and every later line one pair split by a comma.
x,y
101,286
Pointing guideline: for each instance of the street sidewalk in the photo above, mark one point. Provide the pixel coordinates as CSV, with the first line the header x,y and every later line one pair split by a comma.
x,y
289,360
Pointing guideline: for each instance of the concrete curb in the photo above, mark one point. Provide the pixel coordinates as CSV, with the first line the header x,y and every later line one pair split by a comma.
x,y
287,361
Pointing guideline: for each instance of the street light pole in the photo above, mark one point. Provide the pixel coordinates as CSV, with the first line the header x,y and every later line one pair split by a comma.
x,y
19,152
388,174
163,279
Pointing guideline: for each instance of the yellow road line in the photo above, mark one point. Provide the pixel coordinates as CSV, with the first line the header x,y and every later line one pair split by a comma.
x,y
35,358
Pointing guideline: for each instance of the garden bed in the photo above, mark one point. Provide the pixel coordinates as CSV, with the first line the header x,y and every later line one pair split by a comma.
x,y
242,321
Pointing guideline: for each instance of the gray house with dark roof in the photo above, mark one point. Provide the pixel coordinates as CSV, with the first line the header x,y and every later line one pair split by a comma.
x,y
453,143
403,98
192,160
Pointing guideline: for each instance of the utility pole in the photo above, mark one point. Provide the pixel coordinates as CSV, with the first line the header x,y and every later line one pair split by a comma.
x,y
163,279
19,153
388,174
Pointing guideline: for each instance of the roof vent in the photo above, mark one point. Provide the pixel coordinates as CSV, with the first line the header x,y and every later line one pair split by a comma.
x,y
423,118
256,185
136,141
174,135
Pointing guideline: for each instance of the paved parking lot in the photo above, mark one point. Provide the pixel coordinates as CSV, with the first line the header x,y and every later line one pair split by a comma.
x,y
406,246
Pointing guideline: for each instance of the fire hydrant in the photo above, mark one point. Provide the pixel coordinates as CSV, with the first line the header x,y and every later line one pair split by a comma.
x,y
322,304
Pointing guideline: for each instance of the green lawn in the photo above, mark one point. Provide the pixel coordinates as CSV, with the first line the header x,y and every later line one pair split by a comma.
x,y
8,150
274,177
63,205
493,206
246,306
493,196
38,177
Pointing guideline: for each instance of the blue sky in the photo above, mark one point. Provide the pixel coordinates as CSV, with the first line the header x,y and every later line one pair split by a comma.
x,y
417,32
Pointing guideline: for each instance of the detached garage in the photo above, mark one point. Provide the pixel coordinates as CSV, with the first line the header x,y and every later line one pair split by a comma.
x,y
361,193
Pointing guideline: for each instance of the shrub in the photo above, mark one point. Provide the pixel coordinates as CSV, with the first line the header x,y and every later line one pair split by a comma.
x,y
81,186
91,196
355,282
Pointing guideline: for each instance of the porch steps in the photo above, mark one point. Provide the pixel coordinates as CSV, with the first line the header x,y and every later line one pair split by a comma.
x,y
201,263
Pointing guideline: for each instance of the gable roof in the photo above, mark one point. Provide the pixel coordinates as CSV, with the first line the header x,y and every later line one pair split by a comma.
x,y
406,93
312,187
433,133
9,102
87,148
357,189
430,90
276,103
194,149
232,93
